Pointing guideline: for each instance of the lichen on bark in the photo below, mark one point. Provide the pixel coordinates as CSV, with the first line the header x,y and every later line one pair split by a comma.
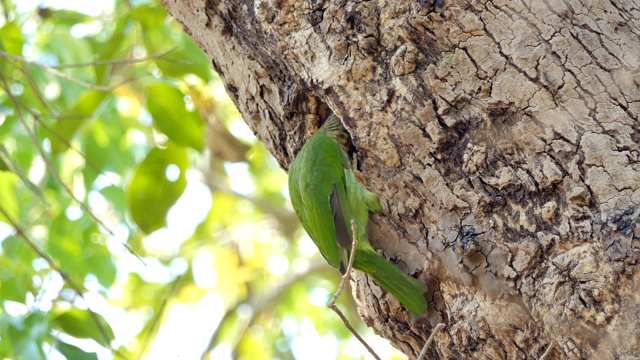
x,y
501,137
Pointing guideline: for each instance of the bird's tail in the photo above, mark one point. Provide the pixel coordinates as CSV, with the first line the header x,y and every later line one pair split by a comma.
x,y
408,290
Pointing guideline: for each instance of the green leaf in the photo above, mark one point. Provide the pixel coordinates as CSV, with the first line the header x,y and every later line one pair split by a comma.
x,y
15,277
11,39
37,326
8,199
81,324
150,193
108,50
69,49
74,353
105,147
97,257
116,196
187,58
166,105
149,15
64,17
76,246
27,335
8,163
83,109
65,244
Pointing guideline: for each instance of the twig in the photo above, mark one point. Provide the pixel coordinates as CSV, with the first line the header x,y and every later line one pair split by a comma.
x,y
347,273
430,340
53,171
68,144
62,75
259,306
548,351
156,321
35,90
123,61
50,166
217,184
343,282
67,279
37,117
11,164
48,162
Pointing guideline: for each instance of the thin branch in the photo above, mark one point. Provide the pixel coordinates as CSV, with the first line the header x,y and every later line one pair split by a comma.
x,y
214,182
213,340
156,321
36,91
51,114
260,305
62,75
68,144
345,278
123,61
17,104
430,340
67,279
347,273
47,161
548,351
11,164
285,218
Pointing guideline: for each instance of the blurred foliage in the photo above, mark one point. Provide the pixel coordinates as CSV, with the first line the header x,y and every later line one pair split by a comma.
x,y
107,122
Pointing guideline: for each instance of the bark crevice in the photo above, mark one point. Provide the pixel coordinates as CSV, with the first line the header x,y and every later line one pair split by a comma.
x,y
501,137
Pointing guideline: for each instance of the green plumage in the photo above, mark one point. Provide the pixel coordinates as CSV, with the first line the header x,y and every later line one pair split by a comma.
x,y
326,196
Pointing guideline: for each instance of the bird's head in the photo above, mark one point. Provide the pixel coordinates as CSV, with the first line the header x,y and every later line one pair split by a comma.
x,y
334,129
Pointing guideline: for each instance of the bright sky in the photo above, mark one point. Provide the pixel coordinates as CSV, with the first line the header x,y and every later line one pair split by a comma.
x,y
92,8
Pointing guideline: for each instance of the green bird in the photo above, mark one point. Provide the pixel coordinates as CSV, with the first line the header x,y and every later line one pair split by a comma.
x,y
326,195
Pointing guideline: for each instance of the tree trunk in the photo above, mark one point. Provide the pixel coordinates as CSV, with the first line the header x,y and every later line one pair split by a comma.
x,y
501,137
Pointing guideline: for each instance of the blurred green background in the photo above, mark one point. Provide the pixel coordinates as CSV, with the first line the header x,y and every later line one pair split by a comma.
x,y
139,216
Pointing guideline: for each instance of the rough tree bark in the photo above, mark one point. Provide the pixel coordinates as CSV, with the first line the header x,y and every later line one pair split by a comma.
x,y
501,137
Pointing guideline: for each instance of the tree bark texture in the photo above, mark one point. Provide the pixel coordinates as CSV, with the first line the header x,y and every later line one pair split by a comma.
x,y
501,137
